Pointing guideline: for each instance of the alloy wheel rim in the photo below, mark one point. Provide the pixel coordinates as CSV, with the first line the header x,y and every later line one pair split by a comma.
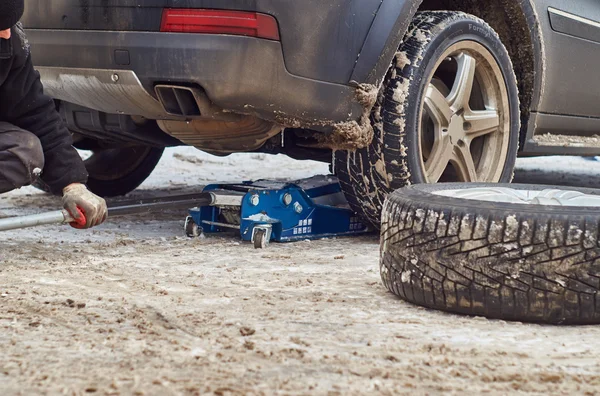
x,y
464,131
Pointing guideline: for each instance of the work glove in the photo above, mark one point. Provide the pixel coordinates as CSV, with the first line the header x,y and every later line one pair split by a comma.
x,y
81,202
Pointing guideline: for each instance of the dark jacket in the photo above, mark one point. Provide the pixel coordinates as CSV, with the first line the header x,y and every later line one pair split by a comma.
x,y
23,103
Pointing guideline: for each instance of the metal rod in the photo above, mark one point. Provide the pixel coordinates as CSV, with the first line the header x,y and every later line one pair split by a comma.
x,y
143,201
14,223
143,207
225,225
128,208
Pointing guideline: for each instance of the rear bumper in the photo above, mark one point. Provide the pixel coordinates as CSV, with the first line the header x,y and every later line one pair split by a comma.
x,y
242,74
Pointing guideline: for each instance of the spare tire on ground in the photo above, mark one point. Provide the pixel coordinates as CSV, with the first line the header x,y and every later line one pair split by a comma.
x,y
513,252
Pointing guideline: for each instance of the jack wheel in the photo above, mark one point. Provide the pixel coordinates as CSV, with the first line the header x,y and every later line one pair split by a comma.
x,y
192,229
260,239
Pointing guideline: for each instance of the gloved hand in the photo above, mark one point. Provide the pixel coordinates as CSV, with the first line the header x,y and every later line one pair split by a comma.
x,y
94,208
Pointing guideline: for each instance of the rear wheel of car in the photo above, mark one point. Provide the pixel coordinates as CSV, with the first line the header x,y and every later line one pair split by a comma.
x,y
118,171
513,252
448,111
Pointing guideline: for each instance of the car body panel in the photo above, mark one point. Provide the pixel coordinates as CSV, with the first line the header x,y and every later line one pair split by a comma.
x,y
383,40
566,118
571,62
321,45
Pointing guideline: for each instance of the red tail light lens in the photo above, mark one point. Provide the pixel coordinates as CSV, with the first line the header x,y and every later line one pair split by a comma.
x,y
240,23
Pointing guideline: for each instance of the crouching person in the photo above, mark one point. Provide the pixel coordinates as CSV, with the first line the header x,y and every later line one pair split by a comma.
x,y
34,142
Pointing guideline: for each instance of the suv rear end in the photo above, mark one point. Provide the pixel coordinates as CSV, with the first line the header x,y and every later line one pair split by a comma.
x,y
285,61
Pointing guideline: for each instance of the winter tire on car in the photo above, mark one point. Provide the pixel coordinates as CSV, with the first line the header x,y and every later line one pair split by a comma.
x,y
448,111
513,252
115,172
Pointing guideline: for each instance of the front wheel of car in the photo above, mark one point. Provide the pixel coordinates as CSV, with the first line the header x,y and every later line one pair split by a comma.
x,y
448,111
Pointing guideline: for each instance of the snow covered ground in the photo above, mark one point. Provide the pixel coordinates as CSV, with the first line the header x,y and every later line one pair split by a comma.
x,y
134,307
186,166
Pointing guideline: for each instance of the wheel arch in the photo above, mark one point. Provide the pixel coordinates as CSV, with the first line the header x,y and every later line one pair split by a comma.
x,y
516,21
387,31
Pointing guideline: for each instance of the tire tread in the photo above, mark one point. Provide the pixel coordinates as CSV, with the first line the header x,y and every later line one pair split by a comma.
x,y
539,267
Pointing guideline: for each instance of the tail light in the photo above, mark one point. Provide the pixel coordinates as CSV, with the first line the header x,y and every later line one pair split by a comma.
x,y
240,23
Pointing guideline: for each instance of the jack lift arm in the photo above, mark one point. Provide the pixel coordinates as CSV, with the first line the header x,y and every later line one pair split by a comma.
x,y
261,211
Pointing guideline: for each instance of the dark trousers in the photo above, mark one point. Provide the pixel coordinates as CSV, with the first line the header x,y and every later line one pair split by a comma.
x,y
21,157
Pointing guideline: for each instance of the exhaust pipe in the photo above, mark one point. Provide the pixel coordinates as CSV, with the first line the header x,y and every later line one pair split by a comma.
x,y
208,127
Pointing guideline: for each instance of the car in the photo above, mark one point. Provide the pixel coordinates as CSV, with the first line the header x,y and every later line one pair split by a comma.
x,y
390,92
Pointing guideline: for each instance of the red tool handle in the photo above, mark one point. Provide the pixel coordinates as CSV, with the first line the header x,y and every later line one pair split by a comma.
x,y
81,222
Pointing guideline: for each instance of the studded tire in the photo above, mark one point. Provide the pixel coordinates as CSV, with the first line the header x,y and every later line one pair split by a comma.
x,y
393,159
508,261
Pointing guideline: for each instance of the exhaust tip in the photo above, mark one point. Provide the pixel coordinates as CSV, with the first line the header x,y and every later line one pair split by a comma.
x,y
178,101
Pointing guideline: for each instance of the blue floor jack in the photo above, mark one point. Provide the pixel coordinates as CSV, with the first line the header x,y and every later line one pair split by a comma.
x,y
266,211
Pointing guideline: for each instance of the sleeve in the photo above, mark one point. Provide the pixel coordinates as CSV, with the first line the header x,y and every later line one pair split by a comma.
x,y
25,105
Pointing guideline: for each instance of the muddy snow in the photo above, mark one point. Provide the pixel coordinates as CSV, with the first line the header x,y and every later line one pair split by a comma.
x,y
134,307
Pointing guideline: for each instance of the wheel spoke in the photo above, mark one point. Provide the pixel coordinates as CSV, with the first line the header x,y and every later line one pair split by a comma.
x,y
437,107
440,156
463,85
464,164
481,123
